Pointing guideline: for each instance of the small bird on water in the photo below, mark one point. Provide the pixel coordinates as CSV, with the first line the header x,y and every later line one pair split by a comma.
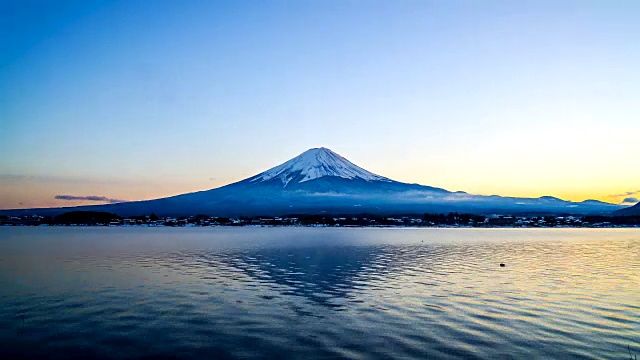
x,y
502,265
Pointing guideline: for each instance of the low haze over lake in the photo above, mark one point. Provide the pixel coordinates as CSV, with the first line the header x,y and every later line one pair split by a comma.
x,y
308,293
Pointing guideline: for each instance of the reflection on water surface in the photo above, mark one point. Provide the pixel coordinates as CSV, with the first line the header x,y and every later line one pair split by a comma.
x,y
320,293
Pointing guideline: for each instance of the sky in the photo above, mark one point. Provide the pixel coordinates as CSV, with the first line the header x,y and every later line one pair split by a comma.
x,y
131,100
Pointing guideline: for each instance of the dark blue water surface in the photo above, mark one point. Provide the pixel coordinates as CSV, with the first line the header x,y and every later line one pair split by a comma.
x,y
318,293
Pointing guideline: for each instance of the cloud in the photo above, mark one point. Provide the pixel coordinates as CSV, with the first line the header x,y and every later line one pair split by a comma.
x,y
630,200
628,193
88,198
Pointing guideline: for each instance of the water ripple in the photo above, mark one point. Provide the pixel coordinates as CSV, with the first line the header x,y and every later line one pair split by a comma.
x,y
321,293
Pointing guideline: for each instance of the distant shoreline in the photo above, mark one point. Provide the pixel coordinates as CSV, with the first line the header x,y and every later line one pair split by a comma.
x,y
426,220
327,226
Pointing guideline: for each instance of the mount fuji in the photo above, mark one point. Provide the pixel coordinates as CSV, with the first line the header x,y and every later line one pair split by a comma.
x,y
314,164
321,181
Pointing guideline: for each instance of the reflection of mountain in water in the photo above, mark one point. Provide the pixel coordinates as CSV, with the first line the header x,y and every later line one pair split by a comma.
x,y
328,276
322,275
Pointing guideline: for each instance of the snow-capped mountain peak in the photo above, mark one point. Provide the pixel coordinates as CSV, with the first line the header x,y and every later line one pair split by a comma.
x,y
316,163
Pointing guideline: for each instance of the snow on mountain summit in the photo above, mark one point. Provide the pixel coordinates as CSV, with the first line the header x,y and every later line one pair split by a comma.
x,y
316,163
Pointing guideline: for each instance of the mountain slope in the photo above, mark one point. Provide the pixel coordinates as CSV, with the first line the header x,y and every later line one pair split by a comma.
x,y
321,181
629,211
314,164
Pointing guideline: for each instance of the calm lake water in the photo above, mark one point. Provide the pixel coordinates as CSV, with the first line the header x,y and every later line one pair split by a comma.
x,y
314,293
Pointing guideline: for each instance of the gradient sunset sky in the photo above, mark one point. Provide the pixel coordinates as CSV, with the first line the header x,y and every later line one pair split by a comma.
x,y
129,100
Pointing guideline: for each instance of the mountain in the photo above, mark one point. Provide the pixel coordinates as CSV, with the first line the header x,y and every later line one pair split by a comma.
x,y
314,164
321,181
632,210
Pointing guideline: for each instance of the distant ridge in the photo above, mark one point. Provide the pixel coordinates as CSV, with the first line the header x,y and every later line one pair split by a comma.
x,y
632,210
322,181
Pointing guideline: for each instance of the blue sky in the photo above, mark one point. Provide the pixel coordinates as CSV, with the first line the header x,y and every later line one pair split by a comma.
x,y
143,99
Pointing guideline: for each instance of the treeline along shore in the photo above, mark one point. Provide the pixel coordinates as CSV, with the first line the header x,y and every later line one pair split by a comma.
x,y
94,218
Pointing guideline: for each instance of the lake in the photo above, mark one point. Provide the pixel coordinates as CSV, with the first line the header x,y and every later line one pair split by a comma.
x,y
318,293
